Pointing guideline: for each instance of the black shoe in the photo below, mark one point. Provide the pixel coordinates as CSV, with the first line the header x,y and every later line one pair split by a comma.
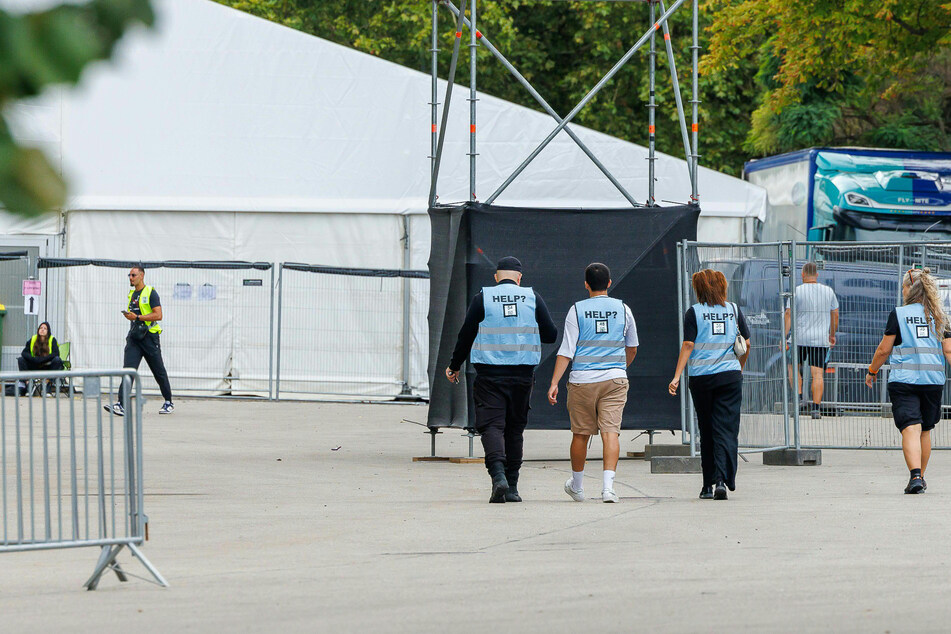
x,y
500,485
512,495
924,485
706,493
720,492
915,485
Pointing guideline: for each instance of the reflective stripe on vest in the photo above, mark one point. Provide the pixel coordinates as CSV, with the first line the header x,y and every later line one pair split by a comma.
x,y
717,329
145,307
919,360
508,334
33,344
600,334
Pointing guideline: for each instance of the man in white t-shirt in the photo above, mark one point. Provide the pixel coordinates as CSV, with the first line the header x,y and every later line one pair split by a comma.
x,y
600,341
817,319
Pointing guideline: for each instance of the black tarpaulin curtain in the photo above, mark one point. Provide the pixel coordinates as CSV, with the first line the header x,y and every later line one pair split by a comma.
x,y
555,246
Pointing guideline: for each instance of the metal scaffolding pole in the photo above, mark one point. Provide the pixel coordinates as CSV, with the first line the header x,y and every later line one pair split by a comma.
x,y
544,104
445,110
695,103
473,35
434,104
651,107
587,98
678,98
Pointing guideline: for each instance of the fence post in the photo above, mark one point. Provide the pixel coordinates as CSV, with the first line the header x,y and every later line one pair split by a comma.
x,y
680,332
270,341
784,295
793,346
692,424
280,305
407,295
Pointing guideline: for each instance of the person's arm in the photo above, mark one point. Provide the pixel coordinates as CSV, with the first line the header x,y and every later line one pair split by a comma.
x,y
566,352
547,330
884,348
630,335
54,348
881,355
745,333
690,335
834,327
787,322
26,354
946,348
561,364
467,334
155,315
685,350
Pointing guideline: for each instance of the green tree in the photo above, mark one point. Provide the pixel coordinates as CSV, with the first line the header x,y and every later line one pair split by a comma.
x,y
843,72
42,49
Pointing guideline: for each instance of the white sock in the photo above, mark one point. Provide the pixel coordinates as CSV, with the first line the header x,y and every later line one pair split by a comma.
x,y
608,480
577,480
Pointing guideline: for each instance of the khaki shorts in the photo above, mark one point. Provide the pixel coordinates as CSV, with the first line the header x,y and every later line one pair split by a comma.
x,y
594,407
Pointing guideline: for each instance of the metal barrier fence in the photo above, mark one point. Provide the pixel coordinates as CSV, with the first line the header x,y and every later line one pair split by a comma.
x,y
17,326
217,327
72,474
372,327
866,279
763,420
354,333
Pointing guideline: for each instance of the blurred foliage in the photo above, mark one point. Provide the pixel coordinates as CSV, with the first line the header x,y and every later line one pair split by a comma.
x,y
42,49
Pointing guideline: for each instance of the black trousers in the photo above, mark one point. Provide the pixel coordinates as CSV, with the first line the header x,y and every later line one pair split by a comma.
x,y
718,417
150,348
27,365
501,412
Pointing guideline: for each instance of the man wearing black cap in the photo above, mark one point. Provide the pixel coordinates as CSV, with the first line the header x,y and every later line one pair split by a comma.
x,y
504,329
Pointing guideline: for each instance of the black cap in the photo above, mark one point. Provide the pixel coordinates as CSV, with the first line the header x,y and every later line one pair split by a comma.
x,y
509,263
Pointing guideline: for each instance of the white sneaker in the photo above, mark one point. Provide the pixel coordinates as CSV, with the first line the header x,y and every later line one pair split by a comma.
x,y
577,496
608,495
115,408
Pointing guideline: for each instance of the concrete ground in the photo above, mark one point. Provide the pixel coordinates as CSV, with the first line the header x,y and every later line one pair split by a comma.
x,y
260,525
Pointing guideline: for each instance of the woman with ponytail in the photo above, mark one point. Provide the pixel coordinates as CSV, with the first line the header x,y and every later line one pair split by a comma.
x,y
916,343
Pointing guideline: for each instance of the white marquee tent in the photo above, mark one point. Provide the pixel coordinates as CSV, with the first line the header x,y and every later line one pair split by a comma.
x,y
220,136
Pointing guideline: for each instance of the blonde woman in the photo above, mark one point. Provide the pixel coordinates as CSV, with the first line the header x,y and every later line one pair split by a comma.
x,y
916,338
716,378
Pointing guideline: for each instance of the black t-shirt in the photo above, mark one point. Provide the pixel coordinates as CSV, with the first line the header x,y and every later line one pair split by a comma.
x,y
710,381
891,328
154,301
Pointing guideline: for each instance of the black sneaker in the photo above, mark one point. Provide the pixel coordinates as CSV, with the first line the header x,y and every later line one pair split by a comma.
x,y
915,485
924,485
816,414
720,492
706,493
512,495
499,489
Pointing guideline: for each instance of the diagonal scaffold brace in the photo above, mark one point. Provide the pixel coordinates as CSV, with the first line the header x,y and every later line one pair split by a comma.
x,y
587,98
541,101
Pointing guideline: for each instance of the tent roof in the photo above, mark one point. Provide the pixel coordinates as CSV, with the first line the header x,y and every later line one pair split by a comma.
x,y
214,109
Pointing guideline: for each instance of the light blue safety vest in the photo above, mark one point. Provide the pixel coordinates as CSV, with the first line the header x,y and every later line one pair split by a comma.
x,y
716,331
919,359
508,335
600,334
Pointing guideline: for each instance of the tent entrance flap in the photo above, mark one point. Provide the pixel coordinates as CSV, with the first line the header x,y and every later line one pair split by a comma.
x,y
555,246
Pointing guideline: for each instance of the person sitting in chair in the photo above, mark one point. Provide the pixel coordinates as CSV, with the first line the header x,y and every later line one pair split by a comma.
x,y
40,353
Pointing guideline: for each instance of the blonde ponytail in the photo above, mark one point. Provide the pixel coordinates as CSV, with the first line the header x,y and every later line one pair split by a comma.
x,y
923,289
